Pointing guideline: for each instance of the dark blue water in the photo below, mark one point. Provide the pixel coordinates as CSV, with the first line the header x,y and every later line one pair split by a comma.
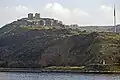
x,y
56,76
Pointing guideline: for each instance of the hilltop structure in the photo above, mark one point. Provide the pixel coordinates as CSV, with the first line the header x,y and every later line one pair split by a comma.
x,y
38,21
35,20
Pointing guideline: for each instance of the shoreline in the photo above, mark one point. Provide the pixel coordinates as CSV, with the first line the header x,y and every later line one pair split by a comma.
x,y
27,70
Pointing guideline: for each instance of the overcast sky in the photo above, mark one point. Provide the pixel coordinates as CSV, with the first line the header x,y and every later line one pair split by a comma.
x,y
82,12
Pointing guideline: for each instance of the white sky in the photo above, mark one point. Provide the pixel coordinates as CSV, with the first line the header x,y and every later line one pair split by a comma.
x,y
82,12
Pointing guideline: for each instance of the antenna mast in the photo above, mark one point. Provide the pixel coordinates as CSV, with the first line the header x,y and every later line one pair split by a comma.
x,y
114,19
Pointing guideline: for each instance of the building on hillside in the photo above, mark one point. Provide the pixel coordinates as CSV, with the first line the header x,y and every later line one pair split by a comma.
x,y
74,26
103,62
118,28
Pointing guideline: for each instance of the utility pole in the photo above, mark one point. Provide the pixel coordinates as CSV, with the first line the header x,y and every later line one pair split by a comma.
x,y
114,19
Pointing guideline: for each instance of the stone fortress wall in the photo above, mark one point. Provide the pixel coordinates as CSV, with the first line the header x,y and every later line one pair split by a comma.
x,y
38,21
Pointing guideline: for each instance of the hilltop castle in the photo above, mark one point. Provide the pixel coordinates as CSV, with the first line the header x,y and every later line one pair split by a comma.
x,y
38,21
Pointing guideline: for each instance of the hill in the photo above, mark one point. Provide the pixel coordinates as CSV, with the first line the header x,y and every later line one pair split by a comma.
x,y
24,47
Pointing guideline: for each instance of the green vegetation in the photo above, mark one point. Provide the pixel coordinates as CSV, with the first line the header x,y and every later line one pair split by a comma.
x,y
64,68
37,27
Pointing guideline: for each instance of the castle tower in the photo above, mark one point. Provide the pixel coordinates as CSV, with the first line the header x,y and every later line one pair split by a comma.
x,y
37,15
30,16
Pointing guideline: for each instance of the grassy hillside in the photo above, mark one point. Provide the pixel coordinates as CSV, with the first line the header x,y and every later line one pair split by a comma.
x,y
24,47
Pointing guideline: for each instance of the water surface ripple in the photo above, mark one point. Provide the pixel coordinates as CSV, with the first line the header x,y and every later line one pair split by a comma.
x,y
57,76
